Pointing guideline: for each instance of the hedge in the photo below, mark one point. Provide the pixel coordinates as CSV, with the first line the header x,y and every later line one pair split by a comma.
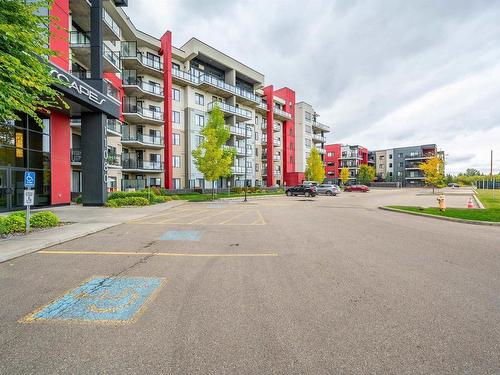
x,y
16,222
128,201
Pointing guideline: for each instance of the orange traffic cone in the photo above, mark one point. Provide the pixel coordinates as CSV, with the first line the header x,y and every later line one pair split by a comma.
x,y
470,204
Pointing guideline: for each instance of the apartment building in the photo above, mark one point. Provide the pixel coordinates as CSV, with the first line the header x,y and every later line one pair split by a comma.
x,y
340,156
136,108
402,164
309,133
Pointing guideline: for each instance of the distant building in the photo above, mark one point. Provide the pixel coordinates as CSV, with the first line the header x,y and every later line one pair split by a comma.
x,y
340,156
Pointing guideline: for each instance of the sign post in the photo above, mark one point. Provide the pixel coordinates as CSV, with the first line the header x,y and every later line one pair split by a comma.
x,y
29,195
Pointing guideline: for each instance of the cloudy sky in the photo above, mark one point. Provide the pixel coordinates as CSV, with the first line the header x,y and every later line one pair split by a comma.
x,y
383,73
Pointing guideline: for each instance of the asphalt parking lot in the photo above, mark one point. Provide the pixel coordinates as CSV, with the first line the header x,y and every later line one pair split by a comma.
x,y
278,285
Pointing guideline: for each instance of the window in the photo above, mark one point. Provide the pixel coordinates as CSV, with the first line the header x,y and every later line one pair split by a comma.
x,y
390,165
176,66
256,167
308,116
390,156
308,129
177,183
176,117
308,143
400,164
330,154
176,95
256,136
399,174
176,161
176,139
381,166
381,157
199,99
199,120
198,139
400,155
256,151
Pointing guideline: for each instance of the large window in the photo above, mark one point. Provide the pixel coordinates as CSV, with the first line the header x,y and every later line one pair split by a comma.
x,y
176,161
176,139
176,95
199,99
199,120
177,183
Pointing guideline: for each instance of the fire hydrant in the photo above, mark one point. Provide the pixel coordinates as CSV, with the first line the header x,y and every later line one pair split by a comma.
x,y
441,202
470,204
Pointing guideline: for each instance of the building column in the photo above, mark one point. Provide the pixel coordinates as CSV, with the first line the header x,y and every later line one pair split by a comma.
x,y
269,94
60,167
94,159
166,52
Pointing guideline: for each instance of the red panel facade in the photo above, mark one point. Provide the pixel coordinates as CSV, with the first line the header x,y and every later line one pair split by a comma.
x,y
166,52
290,176
269,94
363,152
59,40
332,157
60,134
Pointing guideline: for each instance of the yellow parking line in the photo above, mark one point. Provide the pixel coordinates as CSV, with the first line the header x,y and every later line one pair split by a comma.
x,y
209,217
192,213
90,252
233,217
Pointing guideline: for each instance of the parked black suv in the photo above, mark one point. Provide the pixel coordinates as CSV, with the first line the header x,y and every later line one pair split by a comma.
x,y
308,191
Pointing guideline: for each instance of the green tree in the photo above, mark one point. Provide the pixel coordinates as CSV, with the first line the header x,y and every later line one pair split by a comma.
x,y
472,172
211,157
344,175
366,174
315,171
433,170
25,81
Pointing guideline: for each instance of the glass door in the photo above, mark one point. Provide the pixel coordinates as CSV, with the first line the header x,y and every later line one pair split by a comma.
x,y
5,190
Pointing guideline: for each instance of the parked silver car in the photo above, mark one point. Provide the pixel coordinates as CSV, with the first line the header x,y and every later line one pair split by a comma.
x,y
327,189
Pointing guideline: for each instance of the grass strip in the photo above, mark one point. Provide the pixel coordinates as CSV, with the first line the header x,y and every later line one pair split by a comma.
x,y
489,214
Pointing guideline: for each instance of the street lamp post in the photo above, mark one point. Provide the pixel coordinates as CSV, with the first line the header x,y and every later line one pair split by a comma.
x,y
246,152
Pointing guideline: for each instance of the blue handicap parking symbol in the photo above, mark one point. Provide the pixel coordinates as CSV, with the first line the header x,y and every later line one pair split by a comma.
x,y
29,180
102,299
181,235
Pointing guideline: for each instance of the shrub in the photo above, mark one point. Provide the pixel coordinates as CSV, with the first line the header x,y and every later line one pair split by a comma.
x,y
44,219
78,199
161,198
127,201
12,223
175,197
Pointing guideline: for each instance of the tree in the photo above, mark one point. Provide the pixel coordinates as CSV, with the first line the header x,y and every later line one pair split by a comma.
x,y
344,175
25,81
472,172
315,171
211,157
366,174
433,170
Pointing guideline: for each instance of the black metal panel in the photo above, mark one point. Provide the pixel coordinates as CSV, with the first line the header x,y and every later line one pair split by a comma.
x,y
121,3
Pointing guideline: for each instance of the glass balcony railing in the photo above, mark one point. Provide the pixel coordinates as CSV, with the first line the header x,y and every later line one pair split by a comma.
x,y
238,170
114,125
111,22
154,115
76,155
217,82
277,127
230,109
129,50
144,86
112,56
319,138
78,38
142,138
133,184
141,164
185,76
282,113
321,126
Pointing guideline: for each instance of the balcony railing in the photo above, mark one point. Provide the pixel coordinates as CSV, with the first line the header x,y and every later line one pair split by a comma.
x,y
129,51
277,157
112,56
217,82
114,159
263,105
185,76
321,126
277,143
318,137
112,91
144,86
238,170
114,125
146,139
420,155
76,155
282,113
111,22
322,151
81,74
78,38
133,184
155,115
141,164
230,109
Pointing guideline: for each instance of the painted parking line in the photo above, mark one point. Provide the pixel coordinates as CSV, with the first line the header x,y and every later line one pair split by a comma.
x,y
202,255
101,299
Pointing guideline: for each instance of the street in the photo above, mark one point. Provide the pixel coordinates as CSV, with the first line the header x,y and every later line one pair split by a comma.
x,y
277,285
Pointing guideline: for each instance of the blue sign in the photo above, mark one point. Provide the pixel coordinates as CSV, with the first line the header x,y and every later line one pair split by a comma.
x,y
29,180
102,299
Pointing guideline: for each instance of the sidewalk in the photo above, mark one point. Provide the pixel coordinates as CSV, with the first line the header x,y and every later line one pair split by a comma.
x,y
86,220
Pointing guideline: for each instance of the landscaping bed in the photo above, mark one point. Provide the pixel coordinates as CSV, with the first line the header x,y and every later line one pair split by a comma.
x,y
15,223
488,214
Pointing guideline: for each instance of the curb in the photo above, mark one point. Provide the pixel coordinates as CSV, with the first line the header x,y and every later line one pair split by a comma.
x,y
478,202
35,248
456,220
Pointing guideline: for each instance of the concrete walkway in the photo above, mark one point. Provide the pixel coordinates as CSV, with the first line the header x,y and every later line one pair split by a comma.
x,y
86,220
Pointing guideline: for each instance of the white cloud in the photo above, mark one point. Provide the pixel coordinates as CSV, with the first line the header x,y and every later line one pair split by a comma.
x,y
384,74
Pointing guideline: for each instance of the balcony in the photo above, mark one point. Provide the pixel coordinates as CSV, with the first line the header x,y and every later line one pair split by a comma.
x,y
277,127
262,107
321,151
318,138
141,141
78,39
112,63
419,156
76,156
238,170
282,115
181,77
277,157
320,126
142,90
136,113
350,156
240,132
114,161
133,184
132,59
114,127
80,45
221,88
132,165
111,30
277,143
240,113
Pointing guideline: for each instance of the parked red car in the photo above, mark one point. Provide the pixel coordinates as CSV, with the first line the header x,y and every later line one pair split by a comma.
x,y
362,188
